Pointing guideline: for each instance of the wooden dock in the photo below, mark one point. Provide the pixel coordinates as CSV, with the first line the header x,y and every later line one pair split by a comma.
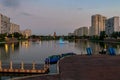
x,y
24,68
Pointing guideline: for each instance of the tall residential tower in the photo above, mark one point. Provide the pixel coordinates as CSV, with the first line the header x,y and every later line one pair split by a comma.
x,y
97,24
112,25
14,28
4,24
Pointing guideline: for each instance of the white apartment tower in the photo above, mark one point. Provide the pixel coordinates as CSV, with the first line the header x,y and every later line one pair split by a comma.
x,y
81,31
14,28
112,25
97,24
4,24
27,33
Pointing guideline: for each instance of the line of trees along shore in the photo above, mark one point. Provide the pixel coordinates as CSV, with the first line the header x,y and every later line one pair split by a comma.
x,y
18,36
15,35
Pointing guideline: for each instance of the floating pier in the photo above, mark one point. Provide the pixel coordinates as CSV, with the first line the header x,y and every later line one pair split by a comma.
x,y
24,68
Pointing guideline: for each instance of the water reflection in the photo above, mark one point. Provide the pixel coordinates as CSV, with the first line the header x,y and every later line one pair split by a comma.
x,y
6,49
13,47
25,44
37,51
82,45
96,46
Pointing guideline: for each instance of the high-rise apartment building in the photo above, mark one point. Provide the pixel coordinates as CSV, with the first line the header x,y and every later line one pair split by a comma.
x,y
4,24
27,33
97,24
81,31
75,32
112,25
14,28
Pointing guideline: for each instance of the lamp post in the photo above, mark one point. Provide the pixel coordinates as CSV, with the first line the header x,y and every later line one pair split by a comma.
x,y
22,65
33,64
0,64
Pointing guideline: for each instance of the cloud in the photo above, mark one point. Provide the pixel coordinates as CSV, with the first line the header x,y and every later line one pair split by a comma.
x,y
10,3
25,14
80,9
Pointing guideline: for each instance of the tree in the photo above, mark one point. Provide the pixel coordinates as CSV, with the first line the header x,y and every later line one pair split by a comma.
x,y
17,35
115,35
102,35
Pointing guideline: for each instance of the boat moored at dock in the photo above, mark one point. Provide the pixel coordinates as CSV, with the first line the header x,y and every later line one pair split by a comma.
x,y
55,58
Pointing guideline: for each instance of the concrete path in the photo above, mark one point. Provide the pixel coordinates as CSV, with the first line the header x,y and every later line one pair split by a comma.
x,y
90,68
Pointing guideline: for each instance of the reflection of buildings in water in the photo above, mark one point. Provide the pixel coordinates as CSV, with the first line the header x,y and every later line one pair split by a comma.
x,y
82,45
118,49
4,52
95,47
12,46
116,46
40,42
25,44
7,49
4,56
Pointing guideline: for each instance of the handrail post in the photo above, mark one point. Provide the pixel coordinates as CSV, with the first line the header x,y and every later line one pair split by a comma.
x,y
22,65
33,64
11,65
0,64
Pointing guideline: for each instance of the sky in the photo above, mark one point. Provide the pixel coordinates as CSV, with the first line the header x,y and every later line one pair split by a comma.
x,y
45,17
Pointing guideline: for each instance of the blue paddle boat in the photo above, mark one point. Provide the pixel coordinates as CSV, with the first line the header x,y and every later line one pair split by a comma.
x,y
52,59
68,54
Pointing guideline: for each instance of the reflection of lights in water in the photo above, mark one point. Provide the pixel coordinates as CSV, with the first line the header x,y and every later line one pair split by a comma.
x,y
40,42
25,44
105,46
61,45
61,41
6,48
12,47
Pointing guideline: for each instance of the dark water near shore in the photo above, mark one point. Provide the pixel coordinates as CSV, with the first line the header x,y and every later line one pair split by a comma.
x,y
37,51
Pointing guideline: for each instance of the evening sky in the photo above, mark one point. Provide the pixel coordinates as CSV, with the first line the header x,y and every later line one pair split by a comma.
x,y
61,16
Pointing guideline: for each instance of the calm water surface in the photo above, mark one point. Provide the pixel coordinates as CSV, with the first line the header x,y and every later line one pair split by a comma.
x,y
37,51
34,51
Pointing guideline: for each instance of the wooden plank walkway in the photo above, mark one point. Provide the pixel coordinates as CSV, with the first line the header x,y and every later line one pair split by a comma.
x,y
94,67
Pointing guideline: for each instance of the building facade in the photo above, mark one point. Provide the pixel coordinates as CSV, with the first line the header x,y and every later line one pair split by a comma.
x,y
82,31
112,25
14,28
90,31
97,24
27,33
4,24
75,32
71,34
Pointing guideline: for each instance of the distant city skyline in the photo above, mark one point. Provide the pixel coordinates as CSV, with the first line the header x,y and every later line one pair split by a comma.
x,y
45,17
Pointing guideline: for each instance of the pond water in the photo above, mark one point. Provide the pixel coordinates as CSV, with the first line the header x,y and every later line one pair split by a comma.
x,y
28,51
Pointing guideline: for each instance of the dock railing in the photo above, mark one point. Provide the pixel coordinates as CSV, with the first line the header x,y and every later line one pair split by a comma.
x,y
24,68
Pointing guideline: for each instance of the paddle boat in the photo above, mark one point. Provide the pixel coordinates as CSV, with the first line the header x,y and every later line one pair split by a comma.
x,y
52,59
68,54
55,58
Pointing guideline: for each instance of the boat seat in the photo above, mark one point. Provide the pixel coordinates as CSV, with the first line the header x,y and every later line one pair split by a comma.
x,y
89,51
112,51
